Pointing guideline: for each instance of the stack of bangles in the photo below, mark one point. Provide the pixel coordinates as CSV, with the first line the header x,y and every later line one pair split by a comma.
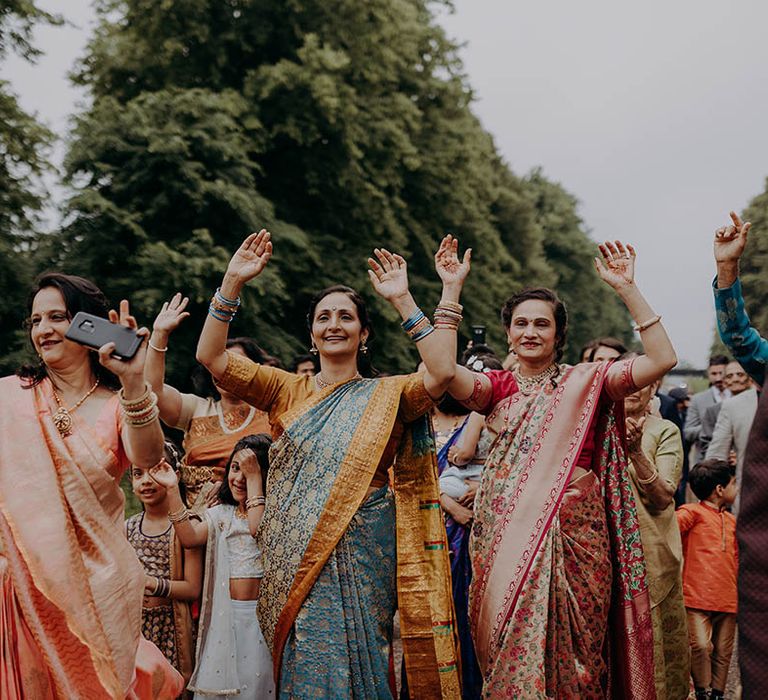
x,y
223,308
448,315
162,587
255,502
179,515
142,411
417,326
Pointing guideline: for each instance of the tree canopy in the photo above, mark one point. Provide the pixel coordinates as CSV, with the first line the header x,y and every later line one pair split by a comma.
x,y
338,125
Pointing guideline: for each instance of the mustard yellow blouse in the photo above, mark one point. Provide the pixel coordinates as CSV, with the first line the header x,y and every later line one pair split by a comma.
x,y
276,391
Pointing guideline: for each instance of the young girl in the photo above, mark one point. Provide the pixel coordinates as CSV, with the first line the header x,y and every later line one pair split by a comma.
x,y
173,575
232,656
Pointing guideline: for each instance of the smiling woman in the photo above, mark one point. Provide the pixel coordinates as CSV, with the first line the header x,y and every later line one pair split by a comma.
x,y
338,557
66,437
558,576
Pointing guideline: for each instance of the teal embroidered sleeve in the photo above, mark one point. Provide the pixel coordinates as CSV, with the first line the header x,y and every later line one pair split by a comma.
x,y
746,344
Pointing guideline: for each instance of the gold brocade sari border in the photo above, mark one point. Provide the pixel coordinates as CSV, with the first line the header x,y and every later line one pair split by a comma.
x,y
347,493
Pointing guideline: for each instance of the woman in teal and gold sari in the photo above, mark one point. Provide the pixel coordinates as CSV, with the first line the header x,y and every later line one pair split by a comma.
x,y
341,549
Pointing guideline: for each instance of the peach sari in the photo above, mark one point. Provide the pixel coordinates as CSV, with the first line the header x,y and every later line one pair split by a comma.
x,y
70,584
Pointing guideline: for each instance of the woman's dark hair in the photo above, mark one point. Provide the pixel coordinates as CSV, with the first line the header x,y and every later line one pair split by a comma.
x,y
79,294
706,476
558,311
587,350
259,444
201,377
364,365
476,350
300,360
608,342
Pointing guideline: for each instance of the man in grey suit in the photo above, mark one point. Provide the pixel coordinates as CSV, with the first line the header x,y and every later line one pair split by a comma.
x,y
702,401
734,421
737,381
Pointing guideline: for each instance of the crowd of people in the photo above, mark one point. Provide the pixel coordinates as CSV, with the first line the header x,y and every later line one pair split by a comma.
x,y
541,530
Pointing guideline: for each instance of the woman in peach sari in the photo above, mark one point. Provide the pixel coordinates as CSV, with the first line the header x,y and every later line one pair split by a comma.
x,y
559,604
71,587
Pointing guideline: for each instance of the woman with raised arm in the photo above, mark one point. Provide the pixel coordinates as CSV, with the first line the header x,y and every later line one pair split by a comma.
x,y
211,426
71,587
338,557
559,603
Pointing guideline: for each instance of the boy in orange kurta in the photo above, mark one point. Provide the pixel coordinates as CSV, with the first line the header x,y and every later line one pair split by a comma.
x,y
710,566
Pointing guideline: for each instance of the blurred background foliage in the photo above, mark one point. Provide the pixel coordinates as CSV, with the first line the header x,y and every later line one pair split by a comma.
x,y
338,125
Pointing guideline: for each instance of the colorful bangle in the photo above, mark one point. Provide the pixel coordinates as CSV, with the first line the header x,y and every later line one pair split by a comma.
x,y
412,320
423,333
225,300
220,315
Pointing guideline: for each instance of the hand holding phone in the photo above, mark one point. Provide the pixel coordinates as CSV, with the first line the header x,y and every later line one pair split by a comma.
x,y
95,332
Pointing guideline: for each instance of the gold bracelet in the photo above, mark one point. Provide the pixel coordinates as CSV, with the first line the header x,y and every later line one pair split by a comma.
x,y
640,327
450,305
649,480
157,349
179,516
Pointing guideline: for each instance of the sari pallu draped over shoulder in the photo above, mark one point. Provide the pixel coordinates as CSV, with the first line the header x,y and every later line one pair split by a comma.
x,y
78,582
320,469
525,484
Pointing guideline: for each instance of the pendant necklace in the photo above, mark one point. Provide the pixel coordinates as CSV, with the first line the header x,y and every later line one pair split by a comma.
x,y
528,385
62,419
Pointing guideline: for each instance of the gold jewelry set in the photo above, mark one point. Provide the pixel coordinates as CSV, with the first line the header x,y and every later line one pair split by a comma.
x,y
528,385
62,419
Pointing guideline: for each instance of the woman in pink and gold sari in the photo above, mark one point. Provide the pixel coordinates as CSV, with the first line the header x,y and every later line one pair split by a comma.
x,y
559,604
71,586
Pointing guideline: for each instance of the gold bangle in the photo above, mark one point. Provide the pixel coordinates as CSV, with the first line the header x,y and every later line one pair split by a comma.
x,y
450,305
157,349
179,516
649,480
640,327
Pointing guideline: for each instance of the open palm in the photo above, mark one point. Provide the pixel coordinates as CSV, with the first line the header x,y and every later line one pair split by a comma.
x,y
617,267
389,274
164,475
450,268
171,314
251,257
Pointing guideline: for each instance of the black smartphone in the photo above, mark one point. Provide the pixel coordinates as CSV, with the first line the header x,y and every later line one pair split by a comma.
x,y
478,335
95,331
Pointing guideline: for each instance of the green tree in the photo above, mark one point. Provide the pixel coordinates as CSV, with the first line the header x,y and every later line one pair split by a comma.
x,y
23,146
339,125
753,263
593,308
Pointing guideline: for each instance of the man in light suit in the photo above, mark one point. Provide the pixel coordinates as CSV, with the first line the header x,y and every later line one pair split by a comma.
x,y
734,421
702,401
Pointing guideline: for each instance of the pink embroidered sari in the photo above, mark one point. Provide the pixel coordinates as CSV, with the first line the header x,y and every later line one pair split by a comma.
x,y
70,584
559,604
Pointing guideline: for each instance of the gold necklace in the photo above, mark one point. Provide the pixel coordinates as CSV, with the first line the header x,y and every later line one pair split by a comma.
x,y
527,385
62,419
322,384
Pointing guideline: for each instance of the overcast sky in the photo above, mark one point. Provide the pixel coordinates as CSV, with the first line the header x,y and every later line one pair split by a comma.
x,y
654,114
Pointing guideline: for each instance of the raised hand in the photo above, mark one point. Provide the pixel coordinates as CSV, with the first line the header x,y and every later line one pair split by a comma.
x,y
617,268
389,274
730,240
251,257
634,432
163,475
126,370
171,314
450,269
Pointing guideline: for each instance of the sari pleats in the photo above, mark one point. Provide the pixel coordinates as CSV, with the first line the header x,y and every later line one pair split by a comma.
x,y
348,614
